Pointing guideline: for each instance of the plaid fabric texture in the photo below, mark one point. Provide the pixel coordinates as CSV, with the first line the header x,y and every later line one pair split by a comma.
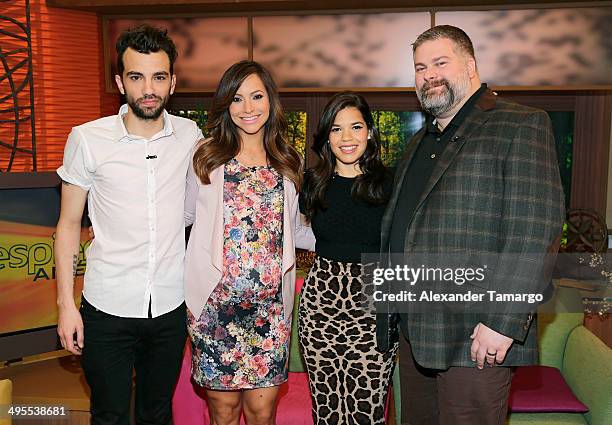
x,y
495,189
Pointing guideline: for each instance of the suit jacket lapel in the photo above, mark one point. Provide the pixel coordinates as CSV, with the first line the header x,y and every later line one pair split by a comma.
x,y
473,121
397,187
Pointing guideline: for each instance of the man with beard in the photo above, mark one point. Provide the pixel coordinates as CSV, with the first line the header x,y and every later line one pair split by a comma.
x,y
131,170
480,177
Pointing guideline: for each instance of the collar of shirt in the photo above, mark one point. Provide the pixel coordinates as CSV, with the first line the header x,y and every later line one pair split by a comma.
x,y
458,119
121,133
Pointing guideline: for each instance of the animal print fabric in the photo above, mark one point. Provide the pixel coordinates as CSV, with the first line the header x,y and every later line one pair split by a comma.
x,y
348,377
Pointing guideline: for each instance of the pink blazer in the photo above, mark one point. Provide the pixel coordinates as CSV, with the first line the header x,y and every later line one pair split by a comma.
x,y
204,258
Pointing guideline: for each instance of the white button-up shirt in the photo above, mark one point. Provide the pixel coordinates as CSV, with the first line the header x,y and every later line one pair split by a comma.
x,y
136,192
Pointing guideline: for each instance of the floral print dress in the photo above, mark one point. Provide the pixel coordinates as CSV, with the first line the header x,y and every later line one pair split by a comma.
x,y
241,339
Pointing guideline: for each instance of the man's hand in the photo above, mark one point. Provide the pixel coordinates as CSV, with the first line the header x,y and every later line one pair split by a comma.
x,y
69,324
488,346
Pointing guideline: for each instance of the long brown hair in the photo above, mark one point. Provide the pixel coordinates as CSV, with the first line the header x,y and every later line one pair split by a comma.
x,y
224,142
368,186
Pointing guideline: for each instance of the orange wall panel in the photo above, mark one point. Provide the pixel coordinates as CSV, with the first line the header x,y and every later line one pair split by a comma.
x,y
68,78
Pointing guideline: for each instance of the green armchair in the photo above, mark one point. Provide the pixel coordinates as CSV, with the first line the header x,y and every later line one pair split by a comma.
x,y
586,364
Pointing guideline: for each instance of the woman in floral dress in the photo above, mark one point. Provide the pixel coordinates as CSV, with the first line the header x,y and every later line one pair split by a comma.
x,y
240,263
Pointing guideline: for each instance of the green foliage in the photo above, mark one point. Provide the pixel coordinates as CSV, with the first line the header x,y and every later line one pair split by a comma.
x,y
563,128
199,115
296,122
395,129
564,236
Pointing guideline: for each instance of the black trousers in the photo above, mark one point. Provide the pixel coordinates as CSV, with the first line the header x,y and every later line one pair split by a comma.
x,y
115,347
456,396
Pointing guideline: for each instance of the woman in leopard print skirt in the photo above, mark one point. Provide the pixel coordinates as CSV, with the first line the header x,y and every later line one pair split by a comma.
x,y
344,198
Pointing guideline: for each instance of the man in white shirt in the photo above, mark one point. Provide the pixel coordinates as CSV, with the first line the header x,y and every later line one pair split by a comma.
x,y
130,168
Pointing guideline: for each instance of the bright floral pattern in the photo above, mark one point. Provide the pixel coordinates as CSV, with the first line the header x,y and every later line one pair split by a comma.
x,y
241,340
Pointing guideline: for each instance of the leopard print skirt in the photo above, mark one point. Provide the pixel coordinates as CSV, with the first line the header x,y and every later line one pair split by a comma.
x,y
349,379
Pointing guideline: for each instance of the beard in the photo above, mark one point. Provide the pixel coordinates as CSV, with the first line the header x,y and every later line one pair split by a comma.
x,y
438,104
147,113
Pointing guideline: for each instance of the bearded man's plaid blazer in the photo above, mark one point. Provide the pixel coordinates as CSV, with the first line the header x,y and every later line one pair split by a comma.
x,y
495,189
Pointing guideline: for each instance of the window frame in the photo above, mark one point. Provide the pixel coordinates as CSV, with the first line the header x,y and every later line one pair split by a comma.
x,y
592,119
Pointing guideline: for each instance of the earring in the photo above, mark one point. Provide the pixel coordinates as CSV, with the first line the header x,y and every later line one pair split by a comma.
x,y
328,141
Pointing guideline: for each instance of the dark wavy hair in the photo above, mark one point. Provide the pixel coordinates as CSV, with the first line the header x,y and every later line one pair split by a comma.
x,y
145,39
224,142
368,186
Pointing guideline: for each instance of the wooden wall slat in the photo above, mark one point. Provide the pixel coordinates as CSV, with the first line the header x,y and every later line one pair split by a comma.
x,y
591,151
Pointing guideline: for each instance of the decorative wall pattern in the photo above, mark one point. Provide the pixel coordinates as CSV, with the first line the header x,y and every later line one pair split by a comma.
x,y
17,132
539,47
369,50
206,46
